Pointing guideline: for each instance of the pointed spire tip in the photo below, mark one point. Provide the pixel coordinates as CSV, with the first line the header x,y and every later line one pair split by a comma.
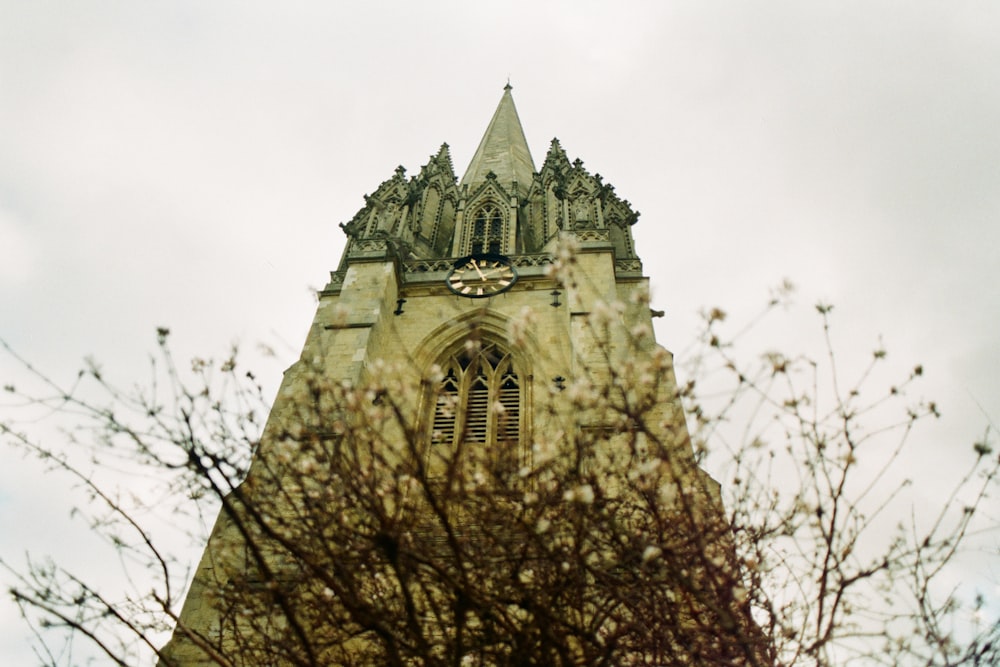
x,y
503,149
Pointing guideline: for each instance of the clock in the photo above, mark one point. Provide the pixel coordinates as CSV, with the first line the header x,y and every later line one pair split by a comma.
x,y
481,275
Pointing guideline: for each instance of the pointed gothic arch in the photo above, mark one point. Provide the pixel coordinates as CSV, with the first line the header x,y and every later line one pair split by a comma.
x,y
478,401
488,230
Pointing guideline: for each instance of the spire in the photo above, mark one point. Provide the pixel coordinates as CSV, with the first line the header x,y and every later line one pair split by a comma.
x,y
503,150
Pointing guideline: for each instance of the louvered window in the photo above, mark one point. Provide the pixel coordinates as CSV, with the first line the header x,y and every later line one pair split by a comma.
x,y
445,409
479,400
509,419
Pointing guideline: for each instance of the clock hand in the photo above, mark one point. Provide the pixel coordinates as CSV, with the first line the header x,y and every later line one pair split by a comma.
x,y
475,265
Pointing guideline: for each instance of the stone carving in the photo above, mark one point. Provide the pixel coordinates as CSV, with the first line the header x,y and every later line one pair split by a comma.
x,y
386,217
370,245
427,266
592,235
353,228
581,212
431,265
531,260
628,266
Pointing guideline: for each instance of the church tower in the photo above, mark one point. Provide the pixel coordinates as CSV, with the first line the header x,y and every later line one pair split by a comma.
x,y
480,457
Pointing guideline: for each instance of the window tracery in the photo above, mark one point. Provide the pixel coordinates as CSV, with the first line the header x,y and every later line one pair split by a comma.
x,y
478,401
487,230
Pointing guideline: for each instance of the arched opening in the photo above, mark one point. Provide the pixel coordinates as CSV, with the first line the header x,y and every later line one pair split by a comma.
x,y
487,231
477,406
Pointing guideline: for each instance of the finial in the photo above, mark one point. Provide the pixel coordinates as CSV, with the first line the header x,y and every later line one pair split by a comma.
x,y
508,86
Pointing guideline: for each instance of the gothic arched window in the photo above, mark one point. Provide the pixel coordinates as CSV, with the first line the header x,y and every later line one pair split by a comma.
x,y
487,231
479,401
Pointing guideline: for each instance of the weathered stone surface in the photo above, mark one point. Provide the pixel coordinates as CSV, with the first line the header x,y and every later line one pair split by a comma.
x,y
388,303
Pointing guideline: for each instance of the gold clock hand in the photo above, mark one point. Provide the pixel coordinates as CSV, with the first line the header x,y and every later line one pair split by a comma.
x,y
475,265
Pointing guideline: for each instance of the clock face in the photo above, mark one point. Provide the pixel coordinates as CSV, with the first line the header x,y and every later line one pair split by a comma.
x,y
481,275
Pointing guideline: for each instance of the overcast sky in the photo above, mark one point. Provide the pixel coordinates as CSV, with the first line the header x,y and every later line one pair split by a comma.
x,y
186,164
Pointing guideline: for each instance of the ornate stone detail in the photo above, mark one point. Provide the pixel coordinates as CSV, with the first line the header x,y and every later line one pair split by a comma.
x,y
386,217
531,260
628,266
370,245
592,234
565,196
432,265
581,212
427,265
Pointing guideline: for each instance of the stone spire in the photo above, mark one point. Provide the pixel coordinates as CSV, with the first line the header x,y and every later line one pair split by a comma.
x,y
503,150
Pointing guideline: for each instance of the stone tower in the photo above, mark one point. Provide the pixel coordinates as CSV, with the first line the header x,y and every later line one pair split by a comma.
x,y
477,334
